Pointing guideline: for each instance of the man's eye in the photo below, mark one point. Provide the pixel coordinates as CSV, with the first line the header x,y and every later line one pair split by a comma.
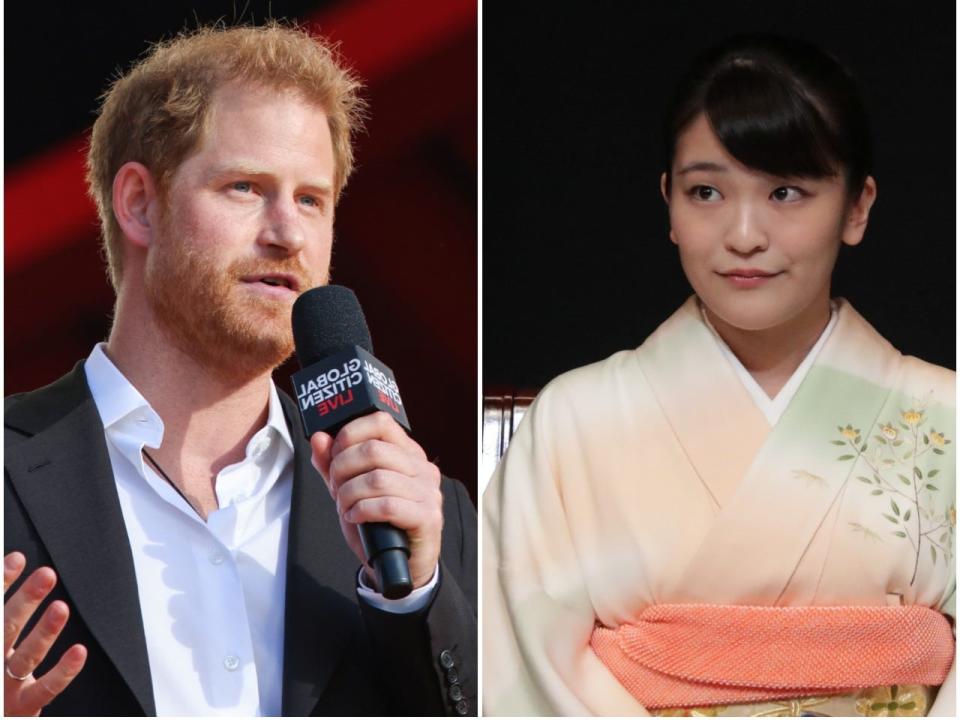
x,y
705,193
787,194
309,200
241,186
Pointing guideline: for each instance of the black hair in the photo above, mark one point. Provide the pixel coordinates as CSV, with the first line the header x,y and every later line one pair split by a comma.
x,y
778,105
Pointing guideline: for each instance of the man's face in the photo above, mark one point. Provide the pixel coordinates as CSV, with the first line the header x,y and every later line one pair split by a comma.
x,y
247,227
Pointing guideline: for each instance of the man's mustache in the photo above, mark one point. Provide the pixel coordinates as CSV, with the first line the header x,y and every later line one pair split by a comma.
x,y
289,266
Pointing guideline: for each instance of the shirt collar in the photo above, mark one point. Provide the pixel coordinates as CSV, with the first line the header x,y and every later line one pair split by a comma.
x,y
275,417
119,402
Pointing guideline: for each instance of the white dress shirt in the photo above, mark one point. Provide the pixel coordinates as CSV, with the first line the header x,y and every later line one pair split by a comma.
x,y
211,593
773,408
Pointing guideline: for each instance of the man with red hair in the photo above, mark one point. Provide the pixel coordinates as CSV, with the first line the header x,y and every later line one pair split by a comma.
x,y
163,487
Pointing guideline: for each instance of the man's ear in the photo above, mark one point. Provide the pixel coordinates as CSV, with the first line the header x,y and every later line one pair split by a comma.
x,y
135,202
858,213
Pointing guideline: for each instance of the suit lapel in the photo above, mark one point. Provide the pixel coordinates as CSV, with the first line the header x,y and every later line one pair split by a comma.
x,y
63,476
321,616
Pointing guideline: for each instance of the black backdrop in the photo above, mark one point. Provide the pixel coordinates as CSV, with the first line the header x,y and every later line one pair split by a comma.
x,y
576,259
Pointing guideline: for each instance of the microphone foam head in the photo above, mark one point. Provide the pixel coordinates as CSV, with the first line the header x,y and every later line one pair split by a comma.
x,y
327,319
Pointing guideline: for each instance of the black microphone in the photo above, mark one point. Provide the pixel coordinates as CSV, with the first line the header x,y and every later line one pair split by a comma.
x,y
341,380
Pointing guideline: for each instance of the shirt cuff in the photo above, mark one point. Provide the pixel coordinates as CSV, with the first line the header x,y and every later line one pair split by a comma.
x,y
415,601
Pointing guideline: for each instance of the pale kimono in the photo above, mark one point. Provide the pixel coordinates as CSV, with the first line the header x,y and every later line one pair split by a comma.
x,y
653,477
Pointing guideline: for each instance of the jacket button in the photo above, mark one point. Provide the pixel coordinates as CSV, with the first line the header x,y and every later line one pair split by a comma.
x,y
446,660
462,707
455,693
453,676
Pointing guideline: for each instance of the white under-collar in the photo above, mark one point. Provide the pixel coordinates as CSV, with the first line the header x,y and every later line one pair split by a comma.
x,y
773,408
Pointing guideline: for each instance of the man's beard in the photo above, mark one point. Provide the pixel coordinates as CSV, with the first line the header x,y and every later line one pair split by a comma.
x,y
207,313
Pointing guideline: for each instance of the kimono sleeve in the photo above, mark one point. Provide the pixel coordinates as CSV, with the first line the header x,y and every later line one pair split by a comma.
x,y
538,617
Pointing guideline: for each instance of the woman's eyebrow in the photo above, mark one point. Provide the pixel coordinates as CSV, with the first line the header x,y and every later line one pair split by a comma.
x,y
702,166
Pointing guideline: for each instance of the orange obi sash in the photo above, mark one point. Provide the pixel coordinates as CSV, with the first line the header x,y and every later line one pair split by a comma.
x,y
696,655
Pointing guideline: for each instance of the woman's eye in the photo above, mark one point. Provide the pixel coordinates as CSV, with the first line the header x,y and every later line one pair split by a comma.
x,y
787,194
705,193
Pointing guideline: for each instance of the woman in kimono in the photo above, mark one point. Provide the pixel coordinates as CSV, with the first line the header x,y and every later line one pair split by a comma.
x,y
753,512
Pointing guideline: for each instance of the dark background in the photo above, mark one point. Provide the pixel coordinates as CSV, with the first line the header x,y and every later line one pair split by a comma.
x,y
577,263
405,229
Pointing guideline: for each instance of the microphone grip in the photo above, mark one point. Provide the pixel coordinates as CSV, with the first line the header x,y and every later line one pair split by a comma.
x,y
339,387
387,551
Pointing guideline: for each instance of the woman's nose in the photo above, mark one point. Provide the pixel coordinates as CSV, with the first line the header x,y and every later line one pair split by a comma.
x,y
748,230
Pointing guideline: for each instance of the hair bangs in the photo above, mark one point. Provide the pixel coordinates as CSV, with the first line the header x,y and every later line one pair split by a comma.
x,y
770,126
778,105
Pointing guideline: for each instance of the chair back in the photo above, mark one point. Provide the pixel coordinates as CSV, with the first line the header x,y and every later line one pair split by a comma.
x,y
503,409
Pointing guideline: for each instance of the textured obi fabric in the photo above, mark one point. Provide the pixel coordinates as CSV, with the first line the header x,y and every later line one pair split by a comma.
x,y
677,656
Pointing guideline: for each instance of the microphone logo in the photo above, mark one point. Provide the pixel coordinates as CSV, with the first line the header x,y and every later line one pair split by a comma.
x,y
344,385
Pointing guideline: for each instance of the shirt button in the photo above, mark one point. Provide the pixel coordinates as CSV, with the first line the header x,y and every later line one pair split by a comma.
x,y
217,558
231,662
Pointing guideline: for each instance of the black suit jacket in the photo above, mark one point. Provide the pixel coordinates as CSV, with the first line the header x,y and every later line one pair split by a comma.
x,y
341,656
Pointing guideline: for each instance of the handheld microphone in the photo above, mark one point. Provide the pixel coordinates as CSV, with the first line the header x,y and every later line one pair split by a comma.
x,y
341,380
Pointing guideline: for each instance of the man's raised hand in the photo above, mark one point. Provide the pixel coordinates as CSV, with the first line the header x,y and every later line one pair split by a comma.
x,y
25,694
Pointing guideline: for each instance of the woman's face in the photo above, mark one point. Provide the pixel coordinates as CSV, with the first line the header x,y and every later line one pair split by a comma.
x,y
757,249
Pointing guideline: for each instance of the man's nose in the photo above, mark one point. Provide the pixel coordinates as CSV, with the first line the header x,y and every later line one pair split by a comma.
x,y
747,232
283,227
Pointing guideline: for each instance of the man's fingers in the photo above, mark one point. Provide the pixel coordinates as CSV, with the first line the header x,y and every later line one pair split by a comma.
x,y
24,602
384,483
13,565
399,512
376,426
48,686
34,648
371,455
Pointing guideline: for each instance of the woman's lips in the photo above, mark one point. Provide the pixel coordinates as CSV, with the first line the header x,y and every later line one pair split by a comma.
x,y
749,278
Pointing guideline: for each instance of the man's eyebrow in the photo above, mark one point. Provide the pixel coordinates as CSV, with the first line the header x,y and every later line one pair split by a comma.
x,y
321,184
703,167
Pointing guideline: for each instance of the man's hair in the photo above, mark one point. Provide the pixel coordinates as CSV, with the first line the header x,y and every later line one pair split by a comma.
x,y
157,113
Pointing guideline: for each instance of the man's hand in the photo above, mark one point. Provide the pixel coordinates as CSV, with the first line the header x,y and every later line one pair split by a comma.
x,y
376,473
29,695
